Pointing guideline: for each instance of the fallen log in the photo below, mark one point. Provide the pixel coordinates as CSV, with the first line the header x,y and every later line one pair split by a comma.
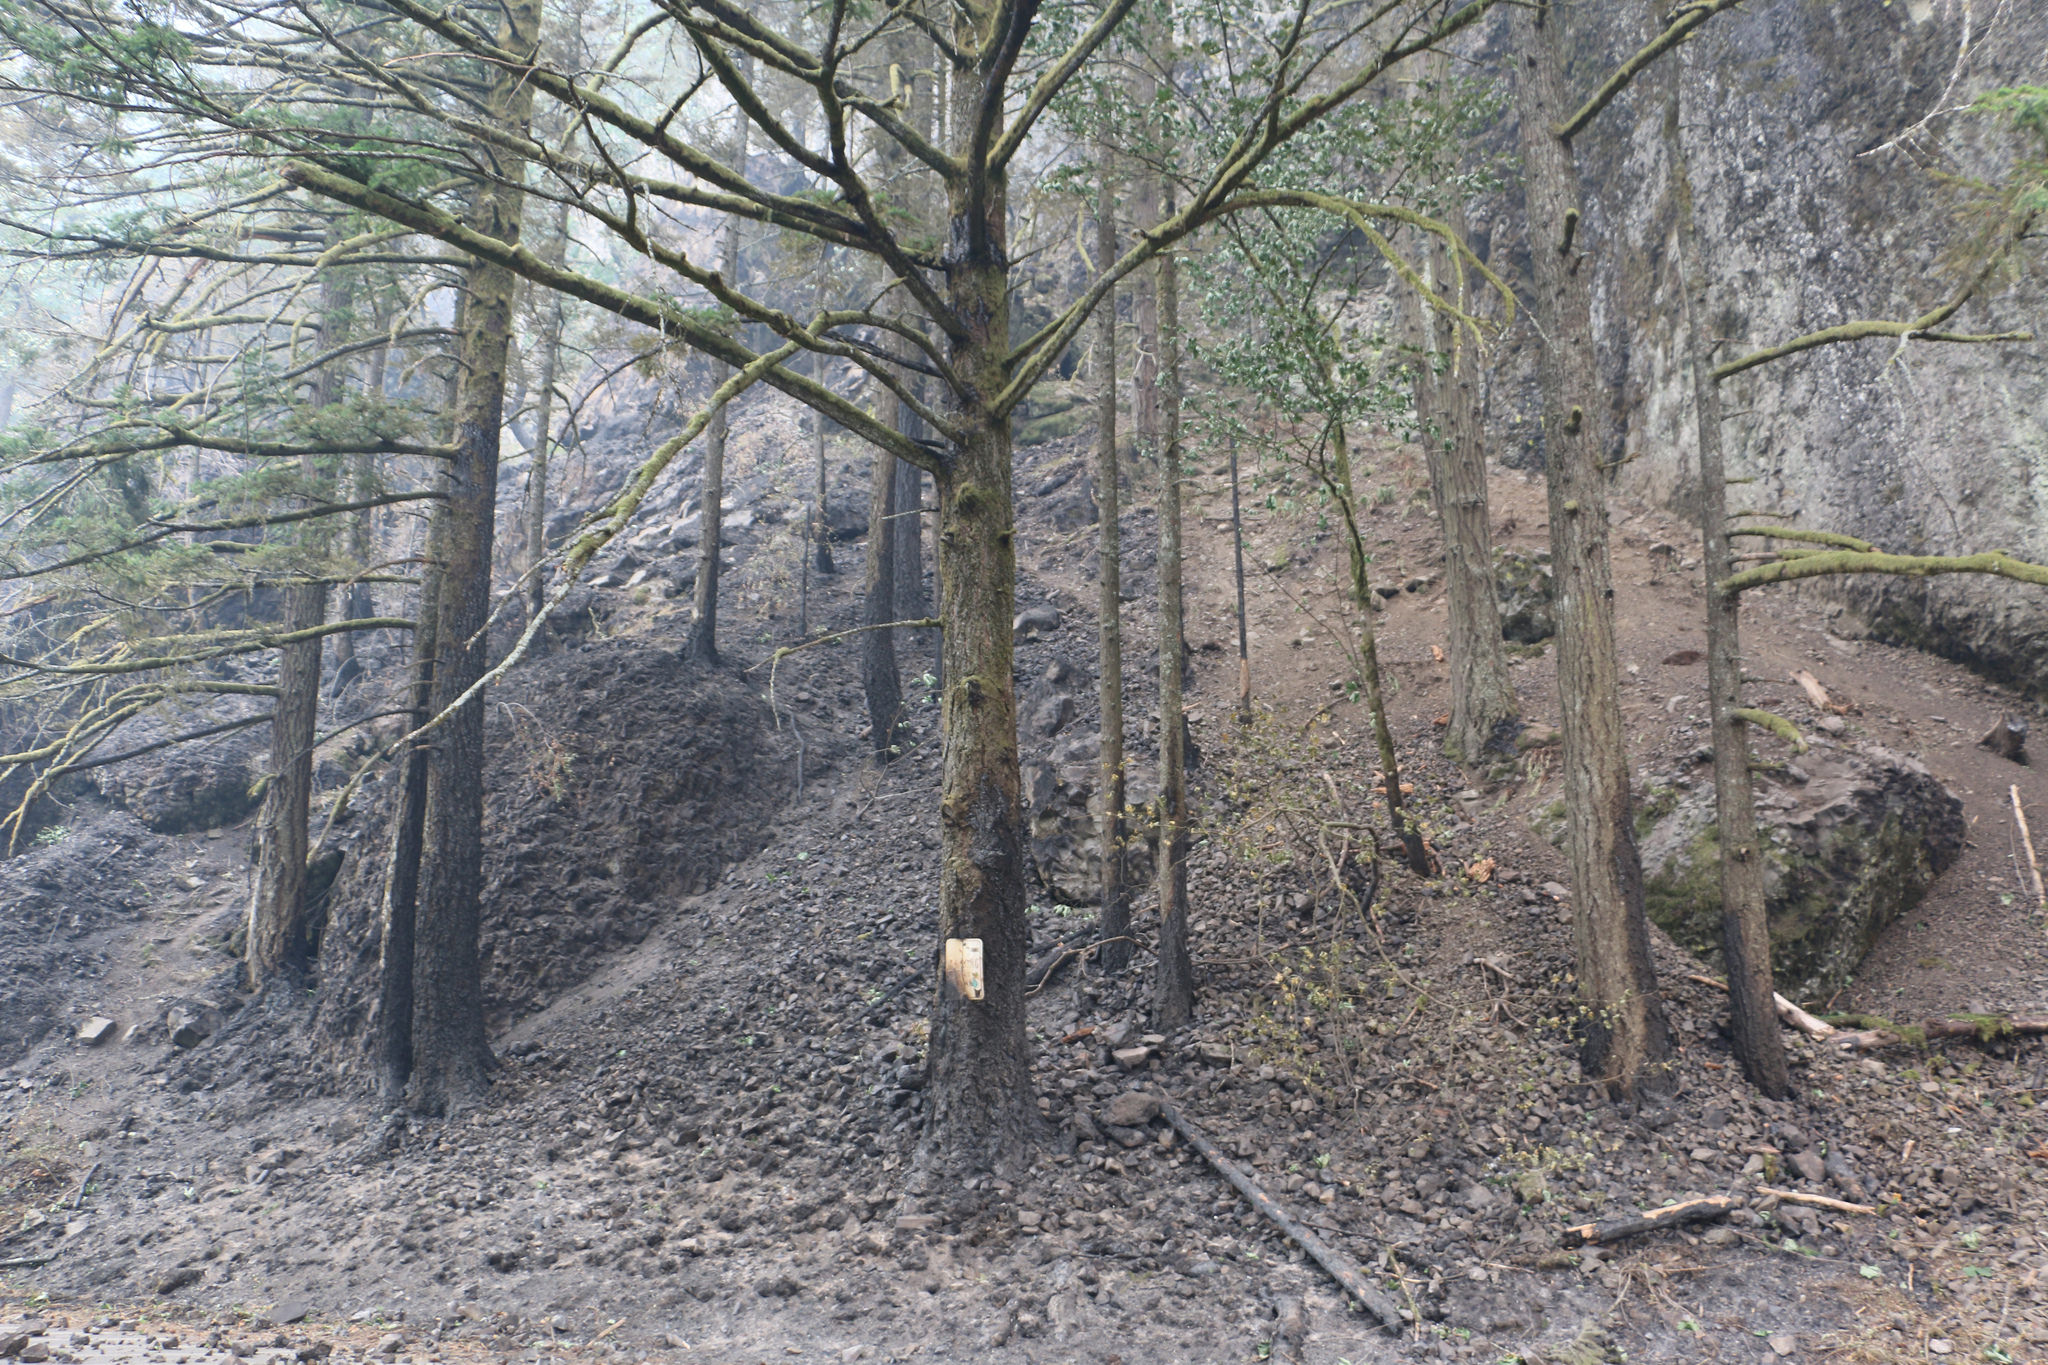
x,y
1340,1267
1707,1210
1819,1201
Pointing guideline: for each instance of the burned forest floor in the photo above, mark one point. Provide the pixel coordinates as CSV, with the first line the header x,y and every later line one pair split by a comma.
x,y
701,1141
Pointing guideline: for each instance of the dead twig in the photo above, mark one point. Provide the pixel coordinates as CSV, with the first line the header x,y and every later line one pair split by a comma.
x,y
1819,1201
1788,1013
1340,1267
2019,815
1039,974
1706,1210
78,1200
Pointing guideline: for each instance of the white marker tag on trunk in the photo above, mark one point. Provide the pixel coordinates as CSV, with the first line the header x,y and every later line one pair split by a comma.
x,y
963,966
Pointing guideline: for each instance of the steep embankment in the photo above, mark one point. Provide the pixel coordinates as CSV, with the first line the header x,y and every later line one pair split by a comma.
x,y
705,1147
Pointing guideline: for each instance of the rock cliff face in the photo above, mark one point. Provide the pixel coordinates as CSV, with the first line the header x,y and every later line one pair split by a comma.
x,y
1827,151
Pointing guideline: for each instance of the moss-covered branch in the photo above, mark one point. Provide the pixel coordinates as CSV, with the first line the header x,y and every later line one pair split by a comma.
x,y
1996,562
1683,21
1776,724
1834,538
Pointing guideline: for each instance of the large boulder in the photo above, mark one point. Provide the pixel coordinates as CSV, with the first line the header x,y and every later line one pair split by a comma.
x,y
1065,812
1846,852
204,784
1528,591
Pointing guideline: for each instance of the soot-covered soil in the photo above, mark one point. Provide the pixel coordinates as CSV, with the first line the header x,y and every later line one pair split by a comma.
x,y
702,1141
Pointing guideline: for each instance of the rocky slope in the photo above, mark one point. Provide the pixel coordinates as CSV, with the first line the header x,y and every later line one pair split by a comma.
x,y
702,1141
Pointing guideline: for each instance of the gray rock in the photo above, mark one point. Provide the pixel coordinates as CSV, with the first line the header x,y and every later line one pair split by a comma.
x,y
1838,438
1066,838
1528,592
1073,508
188,1023
1132,1109
207,784
172,1281
1037,620
1809,1165
1052,714
1845,855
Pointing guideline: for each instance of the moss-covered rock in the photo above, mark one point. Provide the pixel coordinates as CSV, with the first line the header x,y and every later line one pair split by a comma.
x,y
1845,854
1527,589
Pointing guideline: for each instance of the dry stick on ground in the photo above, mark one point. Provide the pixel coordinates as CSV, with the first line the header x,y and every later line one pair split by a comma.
x,y
1819,1201
2019,815
1341,1268
1670,1216
1788,1012
1039,973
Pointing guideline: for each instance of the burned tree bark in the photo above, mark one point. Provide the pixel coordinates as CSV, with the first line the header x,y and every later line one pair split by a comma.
x,y
979,1063
1115,920
1745,926
1414,851
1626,1039
701,644
1173,995
1483,706
280,941
450,1057
880,682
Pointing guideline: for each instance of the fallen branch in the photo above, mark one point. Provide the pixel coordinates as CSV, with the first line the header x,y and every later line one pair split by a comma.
x,y
78,1200
1819,1201
26,1262
1788,1013
2019,814
1982,1028
1706,1210
1039,973
1816,695
1339,1266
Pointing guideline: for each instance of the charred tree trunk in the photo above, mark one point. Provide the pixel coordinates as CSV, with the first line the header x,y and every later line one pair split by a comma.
x,y
450,1057
1413,850
362,536
280,941
555,251
879,679
1173,994
1626,1040
701,645
1745,926
1244,651
1145,197
981,1110
399,918
280,938
821,530
400,907
1115,920
1483,706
